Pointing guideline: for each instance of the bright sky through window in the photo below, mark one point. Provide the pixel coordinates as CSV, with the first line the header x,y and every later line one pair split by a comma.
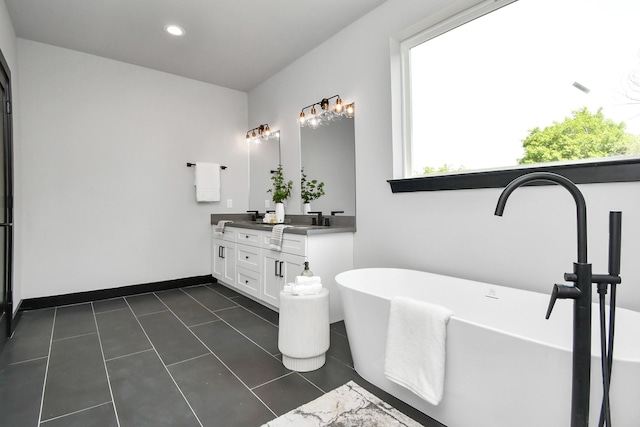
x,y
479,89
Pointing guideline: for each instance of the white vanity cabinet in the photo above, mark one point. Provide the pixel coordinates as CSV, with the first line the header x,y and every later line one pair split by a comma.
x,y
223,263
243,259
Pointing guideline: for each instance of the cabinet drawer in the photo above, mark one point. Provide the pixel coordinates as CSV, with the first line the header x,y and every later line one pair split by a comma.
x,y
248,281
248,257
295,244
248,237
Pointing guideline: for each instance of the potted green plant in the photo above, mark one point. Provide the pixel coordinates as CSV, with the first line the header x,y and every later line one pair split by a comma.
x,y
310,190
280,192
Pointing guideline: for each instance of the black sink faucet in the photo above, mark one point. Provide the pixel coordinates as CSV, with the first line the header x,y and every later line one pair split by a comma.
x,y
255,216
319,220
580,293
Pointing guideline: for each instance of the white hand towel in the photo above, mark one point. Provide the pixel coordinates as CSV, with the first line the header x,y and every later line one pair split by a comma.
x,y
416,341
306,280
219,228
275,242
207,182
309,289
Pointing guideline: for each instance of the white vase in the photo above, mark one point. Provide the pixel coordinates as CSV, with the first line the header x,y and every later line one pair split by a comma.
x,y
306,208
279,213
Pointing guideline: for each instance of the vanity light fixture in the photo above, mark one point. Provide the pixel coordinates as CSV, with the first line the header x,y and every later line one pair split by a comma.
x,y
262,132
327,113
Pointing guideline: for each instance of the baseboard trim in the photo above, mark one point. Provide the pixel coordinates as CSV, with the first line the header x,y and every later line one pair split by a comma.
x,y
81,297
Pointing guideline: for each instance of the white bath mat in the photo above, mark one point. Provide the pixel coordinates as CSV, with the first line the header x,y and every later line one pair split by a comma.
x,y
346,406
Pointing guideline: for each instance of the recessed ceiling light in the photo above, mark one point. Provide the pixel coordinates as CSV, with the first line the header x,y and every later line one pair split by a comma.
x,y
174,30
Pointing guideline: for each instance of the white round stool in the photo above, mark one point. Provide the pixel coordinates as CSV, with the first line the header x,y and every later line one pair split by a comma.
x,y
303,333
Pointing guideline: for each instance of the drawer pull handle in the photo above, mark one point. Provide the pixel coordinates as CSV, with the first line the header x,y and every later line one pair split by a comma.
x,y
280,275
246,257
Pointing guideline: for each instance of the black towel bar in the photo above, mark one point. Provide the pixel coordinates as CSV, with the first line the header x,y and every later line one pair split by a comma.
x,y
193,164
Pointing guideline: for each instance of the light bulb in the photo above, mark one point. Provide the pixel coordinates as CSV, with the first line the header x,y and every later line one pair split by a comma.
x,y
314,122
349,110
337,107
302,120
174,30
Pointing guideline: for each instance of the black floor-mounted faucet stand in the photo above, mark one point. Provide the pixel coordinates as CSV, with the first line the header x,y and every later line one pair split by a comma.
x,y
580,292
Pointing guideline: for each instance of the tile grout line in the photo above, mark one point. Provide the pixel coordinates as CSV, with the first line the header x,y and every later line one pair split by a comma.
x,y
127,355
104,364
187,360
109,311
74,336
26,361
216,356
312,383
275,379
76,412
205,323
161,360
46,371
145,314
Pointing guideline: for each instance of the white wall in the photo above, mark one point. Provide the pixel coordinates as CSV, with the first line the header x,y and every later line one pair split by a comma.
x,y
107,198
450,232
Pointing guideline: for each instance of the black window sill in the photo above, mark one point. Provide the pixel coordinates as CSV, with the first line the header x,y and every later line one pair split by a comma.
x,y
620,170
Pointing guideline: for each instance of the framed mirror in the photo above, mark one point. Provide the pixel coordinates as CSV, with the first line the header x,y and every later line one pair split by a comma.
x,y
328,155
264,157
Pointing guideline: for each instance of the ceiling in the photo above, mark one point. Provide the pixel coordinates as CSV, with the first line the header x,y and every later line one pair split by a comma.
x,y
232,43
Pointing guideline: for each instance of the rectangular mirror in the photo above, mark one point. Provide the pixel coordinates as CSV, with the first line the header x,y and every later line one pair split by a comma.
x,y
264,157
328,155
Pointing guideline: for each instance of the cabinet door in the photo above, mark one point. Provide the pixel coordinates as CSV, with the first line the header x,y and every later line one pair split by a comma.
x,y
217,261
278,269
293,266
223,266
229,254
270,280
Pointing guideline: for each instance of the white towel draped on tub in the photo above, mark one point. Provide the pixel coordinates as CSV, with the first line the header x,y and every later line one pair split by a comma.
x,y
207,182
416,340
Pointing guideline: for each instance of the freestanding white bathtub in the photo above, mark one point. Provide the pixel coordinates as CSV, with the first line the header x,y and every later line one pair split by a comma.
x,y
506,365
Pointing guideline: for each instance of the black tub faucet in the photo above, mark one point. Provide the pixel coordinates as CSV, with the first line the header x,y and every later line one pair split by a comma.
x,y
583,277
581,207
580,293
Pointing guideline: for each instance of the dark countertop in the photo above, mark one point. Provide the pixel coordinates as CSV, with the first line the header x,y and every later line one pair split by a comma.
x,y
301,224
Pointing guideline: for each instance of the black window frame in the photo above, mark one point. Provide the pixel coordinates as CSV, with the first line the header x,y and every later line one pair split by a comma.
x,y
592,172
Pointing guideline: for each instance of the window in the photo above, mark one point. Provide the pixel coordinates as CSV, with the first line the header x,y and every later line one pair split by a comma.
x,y
521,84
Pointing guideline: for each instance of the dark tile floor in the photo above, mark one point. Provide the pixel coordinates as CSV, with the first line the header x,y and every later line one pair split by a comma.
x,y
195,356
